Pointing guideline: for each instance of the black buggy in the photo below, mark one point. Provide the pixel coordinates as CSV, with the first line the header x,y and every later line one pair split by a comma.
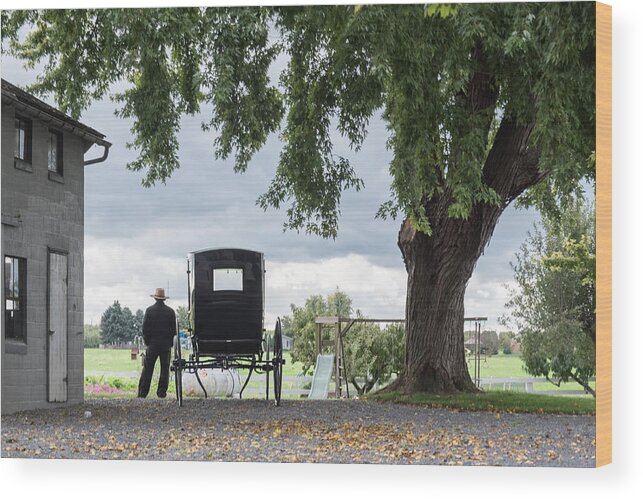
x,y
226,306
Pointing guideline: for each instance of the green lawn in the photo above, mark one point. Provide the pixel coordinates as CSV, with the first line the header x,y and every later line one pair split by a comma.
x,y
114,361
500,366
117,361
511,366
496,366
110,360
107,361
497,402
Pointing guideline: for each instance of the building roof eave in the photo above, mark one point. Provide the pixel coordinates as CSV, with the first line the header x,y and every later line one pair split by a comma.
x,y
34,107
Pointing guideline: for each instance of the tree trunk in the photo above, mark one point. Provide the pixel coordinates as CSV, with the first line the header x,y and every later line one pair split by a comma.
x,y
439,267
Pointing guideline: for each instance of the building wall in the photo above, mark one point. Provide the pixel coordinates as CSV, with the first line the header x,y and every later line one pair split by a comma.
x,y
50,215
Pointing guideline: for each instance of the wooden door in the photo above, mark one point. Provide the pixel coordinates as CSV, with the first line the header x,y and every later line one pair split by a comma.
x,y
57,323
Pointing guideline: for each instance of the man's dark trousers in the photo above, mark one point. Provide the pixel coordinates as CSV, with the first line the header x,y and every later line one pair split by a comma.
x,y
163,354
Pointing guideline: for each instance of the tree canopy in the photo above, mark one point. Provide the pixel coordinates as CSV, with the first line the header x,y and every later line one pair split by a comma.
x,y
447,81
373,354
91,336
301,324
183,317
118,324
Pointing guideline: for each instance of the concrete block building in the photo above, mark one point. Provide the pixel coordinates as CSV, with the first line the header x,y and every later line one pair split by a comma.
x,y
43,159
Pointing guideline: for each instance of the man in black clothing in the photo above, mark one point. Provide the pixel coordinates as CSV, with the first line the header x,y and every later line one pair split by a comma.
x,y
159,329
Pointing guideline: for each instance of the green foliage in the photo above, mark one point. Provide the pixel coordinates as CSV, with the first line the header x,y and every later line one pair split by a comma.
x,y
91,336
126,384
137,323
489,343
301,325
372,354
113,324
504,341
417,65
119,325
183,318
554,304
441,9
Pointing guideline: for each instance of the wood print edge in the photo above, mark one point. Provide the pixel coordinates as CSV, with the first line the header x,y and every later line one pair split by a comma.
x,y
603,234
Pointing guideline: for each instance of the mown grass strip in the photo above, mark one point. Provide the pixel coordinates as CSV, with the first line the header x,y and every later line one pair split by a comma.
x,y
510,402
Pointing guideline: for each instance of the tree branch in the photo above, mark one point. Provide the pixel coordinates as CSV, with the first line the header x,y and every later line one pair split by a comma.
x,y
481,92
584,384
529,173
513,165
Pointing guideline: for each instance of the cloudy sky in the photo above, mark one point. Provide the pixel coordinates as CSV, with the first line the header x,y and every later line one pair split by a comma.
x,y
136,239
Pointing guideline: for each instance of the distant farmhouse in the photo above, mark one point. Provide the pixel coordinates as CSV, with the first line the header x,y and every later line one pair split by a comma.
x,y
286,342
42,245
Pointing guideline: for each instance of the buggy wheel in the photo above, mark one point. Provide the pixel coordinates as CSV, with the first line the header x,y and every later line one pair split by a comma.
x,y
178,380
277,362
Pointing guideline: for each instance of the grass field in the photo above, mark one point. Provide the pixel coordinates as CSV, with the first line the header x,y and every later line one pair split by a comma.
x,y
511,366
112,360
108,361
501,366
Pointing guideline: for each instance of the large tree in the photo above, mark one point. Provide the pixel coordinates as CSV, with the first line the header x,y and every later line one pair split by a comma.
x,y
118,324
484,103
115,324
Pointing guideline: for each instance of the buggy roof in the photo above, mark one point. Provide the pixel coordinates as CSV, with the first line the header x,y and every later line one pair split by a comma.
x,y
208,250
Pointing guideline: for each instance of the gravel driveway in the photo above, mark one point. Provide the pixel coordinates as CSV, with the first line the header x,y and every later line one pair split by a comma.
x,y
328,431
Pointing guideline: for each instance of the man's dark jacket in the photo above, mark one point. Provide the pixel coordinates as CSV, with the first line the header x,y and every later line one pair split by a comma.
x,y
159,325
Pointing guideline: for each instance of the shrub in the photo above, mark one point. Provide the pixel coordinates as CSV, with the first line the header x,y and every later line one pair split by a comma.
x,y
91,338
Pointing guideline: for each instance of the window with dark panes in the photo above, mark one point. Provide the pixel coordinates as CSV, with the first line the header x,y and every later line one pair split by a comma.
x,y
15,293
55,152
22,150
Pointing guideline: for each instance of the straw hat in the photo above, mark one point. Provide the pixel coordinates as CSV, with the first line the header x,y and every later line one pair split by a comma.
x,y
159,294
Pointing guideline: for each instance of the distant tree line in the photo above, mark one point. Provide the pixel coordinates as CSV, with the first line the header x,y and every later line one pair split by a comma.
x,y
91,336
119,325
491,342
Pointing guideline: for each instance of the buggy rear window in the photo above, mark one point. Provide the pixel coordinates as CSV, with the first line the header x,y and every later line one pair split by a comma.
x,y
229,279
